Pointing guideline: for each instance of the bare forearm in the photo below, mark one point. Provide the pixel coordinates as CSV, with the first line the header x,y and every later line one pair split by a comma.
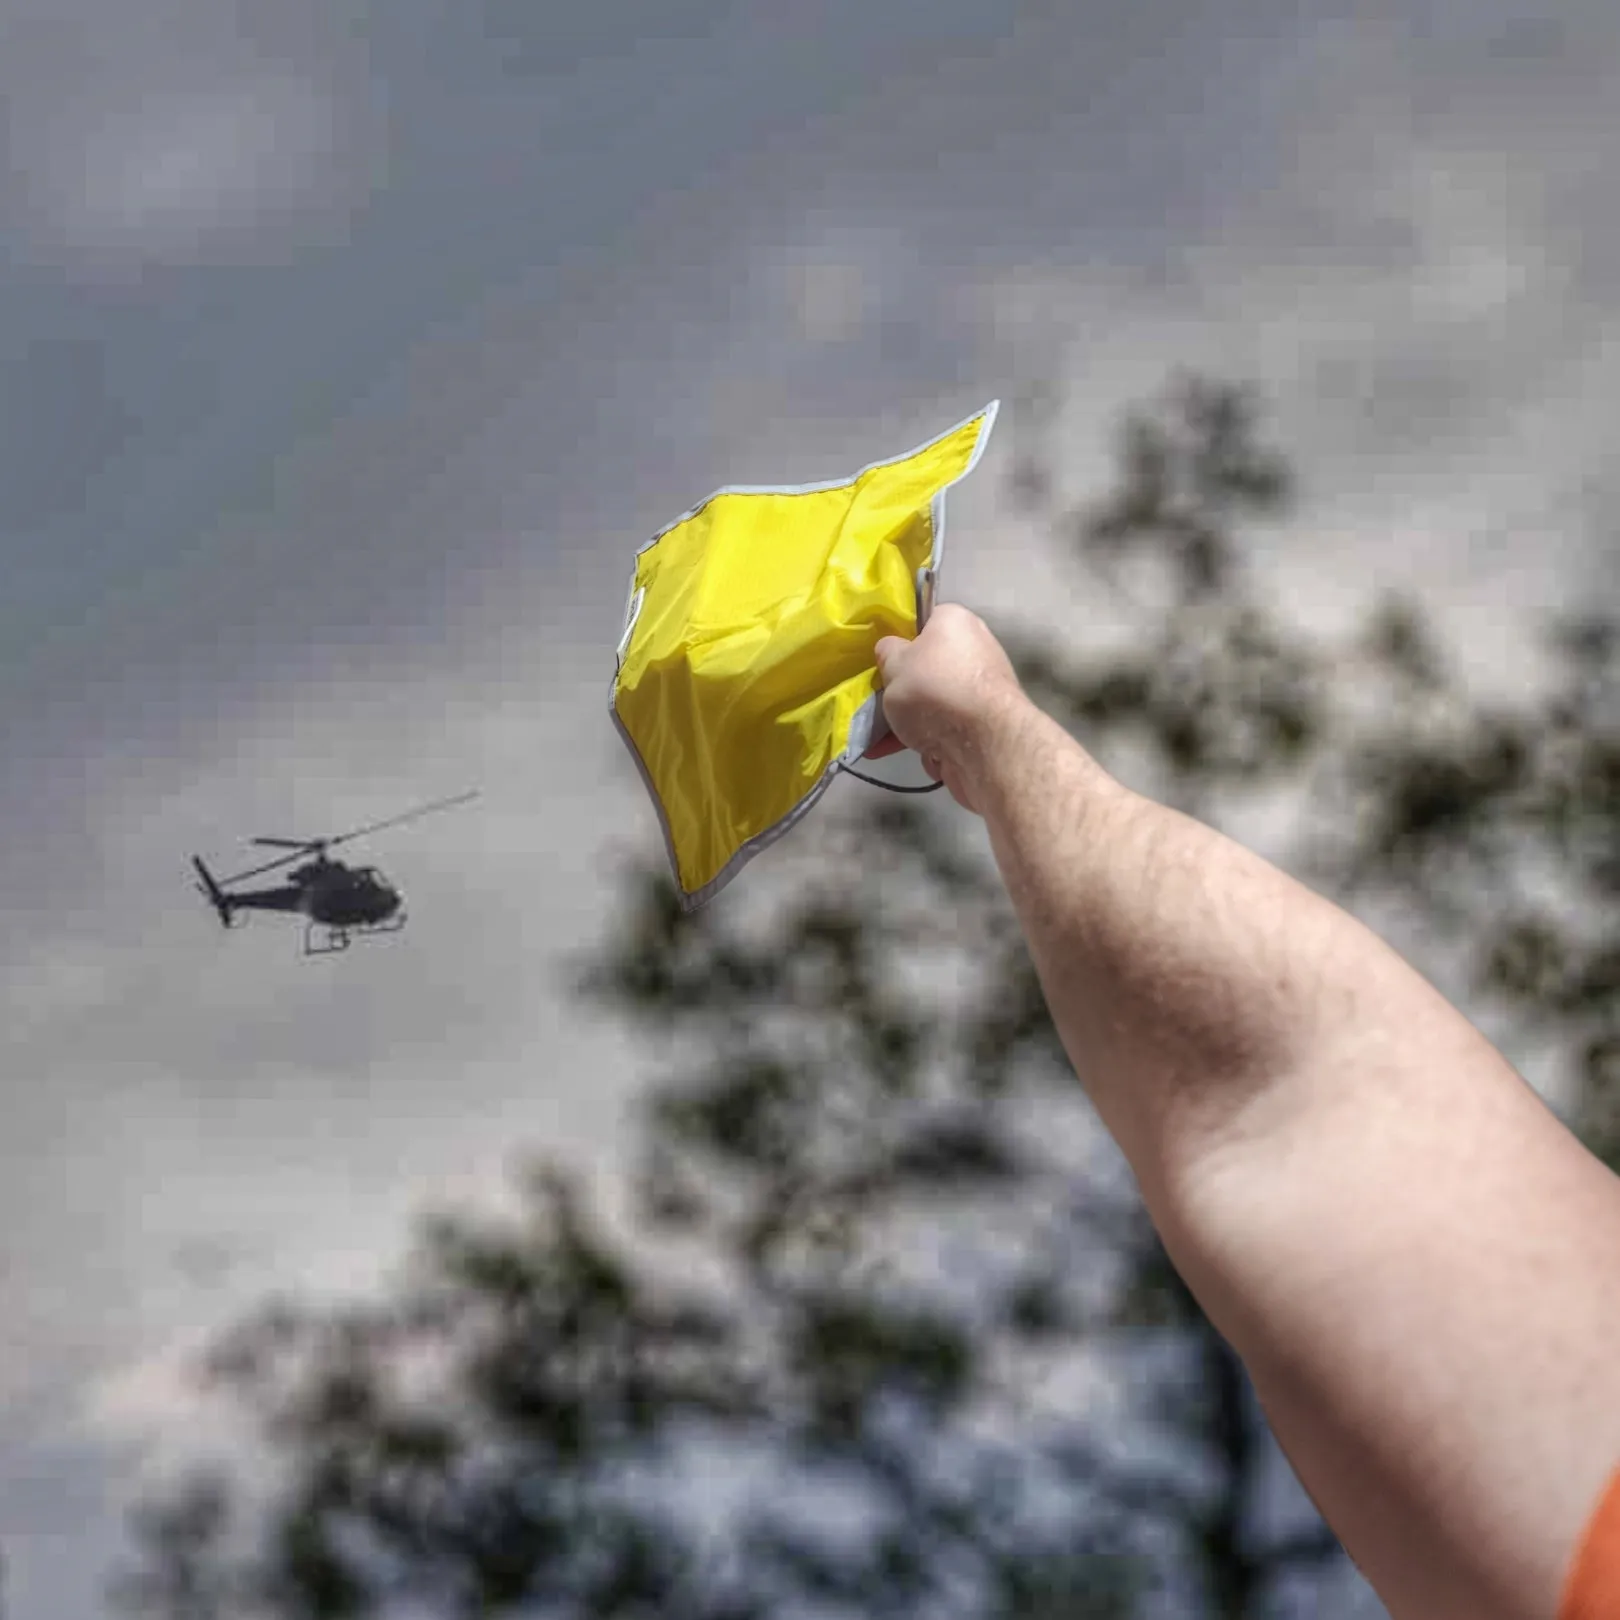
x,y
1181,970
1411,1254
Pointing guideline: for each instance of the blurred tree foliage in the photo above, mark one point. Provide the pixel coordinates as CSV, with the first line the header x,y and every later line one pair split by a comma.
x,y
886,1332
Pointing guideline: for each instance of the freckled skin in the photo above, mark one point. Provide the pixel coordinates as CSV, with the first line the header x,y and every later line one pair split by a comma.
x,y
1415,1259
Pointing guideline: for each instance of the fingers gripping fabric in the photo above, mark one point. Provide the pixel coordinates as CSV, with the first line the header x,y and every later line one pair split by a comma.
x,y
746,678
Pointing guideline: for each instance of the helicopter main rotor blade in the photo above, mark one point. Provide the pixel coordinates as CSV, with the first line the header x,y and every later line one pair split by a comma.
x,y
301,847
409,815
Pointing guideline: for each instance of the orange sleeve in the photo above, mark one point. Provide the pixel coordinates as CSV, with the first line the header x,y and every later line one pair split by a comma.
x,y
1593,1589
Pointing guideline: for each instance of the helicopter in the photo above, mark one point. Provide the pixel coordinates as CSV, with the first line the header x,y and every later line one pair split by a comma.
x,y
338,902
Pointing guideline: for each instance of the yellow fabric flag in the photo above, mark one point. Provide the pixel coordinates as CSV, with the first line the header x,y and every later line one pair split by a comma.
x,y
746,678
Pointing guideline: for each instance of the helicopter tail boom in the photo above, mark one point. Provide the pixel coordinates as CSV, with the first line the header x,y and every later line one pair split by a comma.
x,y
216,895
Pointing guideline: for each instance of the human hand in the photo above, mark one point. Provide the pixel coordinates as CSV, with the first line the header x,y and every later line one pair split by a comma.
x,y
940,693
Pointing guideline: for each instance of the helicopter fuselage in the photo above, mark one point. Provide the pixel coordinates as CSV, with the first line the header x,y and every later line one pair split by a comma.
x,y
327,892
340,896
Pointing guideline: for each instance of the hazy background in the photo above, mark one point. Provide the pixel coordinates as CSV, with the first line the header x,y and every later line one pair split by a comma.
x,y
349,351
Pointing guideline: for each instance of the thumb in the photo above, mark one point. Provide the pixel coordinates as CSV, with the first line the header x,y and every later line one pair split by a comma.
x,y
887,652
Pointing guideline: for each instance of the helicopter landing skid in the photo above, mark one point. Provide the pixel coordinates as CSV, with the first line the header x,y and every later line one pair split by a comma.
x,y
320,940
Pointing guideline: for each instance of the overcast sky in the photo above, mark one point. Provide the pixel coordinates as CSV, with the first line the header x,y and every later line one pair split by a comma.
x,y
350,350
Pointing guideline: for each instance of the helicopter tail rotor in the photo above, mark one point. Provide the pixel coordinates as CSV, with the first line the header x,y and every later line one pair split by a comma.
x,y
216,895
